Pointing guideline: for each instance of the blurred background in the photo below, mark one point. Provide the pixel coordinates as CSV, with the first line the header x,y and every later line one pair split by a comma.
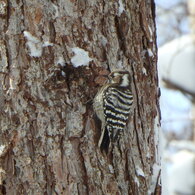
x,y
176,66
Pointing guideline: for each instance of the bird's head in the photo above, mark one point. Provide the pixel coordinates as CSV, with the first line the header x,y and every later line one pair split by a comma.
x,y
120,77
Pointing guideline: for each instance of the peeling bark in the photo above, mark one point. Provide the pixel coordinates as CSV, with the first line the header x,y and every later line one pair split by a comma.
x,y
49,135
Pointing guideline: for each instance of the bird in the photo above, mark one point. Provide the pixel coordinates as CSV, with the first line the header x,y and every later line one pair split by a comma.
x,y
112,105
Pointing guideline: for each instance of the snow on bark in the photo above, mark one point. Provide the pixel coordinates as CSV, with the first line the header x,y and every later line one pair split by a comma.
x,y
80,58
121,8
35,45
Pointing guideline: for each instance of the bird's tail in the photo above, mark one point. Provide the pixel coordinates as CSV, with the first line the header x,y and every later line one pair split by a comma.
x,y
104,141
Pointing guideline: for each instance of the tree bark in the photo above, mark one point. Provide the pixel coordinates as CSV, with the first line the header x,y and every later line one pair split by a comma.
x,y
49,135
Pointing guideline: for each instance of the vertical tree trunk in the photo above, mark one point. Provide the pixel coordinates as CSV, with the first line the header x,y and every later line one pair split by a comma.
x,y
53,58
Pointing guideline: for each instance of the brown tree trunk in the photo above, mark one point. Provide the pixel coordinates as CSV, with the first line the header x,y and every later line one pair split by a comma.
x,y
48,142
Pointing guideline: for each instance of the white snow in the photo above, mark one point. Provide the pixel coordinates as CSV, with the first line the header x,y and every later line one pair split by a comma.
x,y
120,64
150,30
81,57
2,147
30,37
151,33
158,143
63,74
111,168
144,71
121,8
61,61
155,177
103,40
158,150
47,44
150,53
177,62
137,181
35,45
139,171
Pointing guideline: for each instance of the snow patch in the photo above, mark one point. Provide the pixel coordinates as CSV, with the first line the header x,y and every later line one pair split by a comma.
x,y
136,181
103,40
121,8
144,71
156,165
61,61
151,33
150,53
120,64
81,57
35,45
2,147
63,74
30,37
150,30
155,176
47,44
157,142
139,171
111,168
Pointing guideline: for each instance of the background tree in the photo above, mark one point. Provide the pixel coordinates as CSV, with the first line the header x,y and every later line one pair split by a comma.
x,y
176,70
53,58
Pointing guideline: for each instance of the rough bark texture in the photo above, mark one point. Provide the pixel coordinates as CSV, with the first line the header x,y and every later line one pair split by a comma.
x,y
48,132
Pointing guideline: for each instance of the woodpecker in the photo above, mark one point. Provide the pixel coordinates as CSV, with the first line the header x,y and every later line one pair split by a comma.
x,y
112,105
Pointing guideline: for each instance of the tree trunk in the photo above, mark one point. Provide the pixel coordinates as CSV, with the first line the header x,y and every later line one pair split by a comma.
x,y
54,56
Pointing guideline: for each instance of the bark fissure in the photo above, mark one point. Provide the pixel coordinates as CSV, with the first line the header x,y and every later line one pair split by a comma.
x,y
84,176
7,55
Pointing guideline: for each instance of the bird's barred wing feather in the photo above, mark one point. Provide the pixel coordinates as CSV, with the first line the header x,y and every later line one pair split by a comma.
x,y
117,104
